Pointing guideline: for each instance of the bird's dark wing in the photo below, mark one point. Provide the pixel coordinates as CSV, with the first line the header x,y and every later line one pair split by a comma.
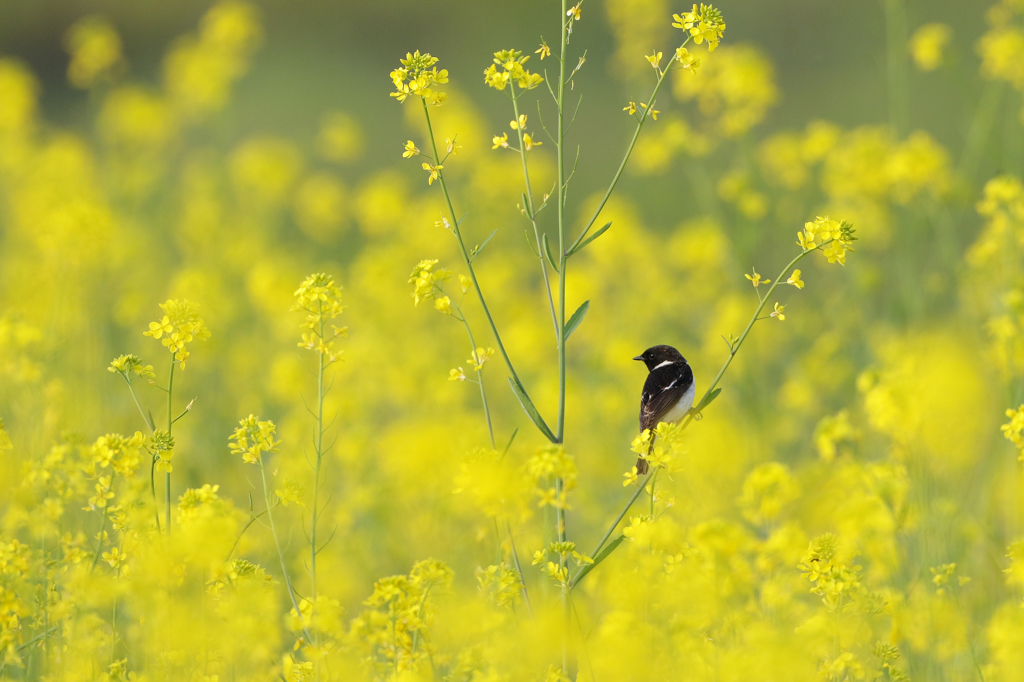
x,y
662,390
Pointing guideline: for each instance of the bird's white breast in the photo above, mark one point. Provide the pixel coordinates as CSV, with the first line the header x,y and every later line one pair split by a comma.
x,y
680,409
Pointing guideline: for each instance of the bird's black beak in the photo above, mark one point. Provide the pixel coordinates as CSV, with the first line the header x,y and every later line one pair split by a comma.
x,y
639,357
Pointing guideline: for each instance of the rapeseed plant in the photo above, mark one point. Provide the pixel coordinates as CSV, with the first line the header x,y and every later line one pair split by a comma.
x,y
838,504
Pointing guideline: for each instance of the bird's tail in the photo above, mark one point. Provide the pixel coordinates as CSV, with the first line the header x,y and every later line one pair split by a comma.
x,y
642,467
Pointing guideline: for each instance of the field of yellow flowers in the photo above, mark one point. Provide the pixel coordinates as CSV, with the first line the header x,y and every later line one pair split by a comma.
x,y
261,421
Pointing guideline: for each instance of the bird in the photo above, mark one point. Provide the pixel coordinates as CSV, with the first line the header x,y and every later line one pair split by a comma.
x,y
668,392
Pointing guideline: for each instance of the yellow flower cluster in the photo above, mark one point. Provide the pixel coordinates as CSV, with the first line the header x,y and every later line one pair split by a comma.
x,y
126,365
180,325
543,467
501,583
833,237
512,70
702,24
426,283
392,631
252,438
320,298
417,77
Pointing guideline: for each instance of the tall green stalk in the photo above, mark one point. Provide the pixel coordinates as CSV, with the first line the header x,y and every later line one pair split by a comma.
x,y
560,332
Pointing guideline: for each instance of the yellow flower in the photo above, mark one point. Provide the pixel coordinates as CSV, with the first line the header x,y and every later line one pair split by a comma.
x,y
451,146
292,493
631,108
444,305
574,12
411,150
158,329
529,142
479,357
115,557
519,124
500,141
456,375
654,59
756,279
465,283
687,61
435,172
630,478
543,50
778,312
795,280
653,112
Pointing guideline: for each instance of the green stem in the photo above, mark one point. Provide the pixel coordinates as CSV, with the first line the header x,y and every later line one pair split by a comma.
x,y
280,554
137,404
170,424
515,560
479,373
103,528
750,325
532,214
560,332
625,158
464,252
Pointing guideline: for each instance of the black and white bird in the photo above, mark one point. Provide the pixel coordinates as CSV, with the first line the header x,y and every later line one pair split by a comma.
x,y
668,391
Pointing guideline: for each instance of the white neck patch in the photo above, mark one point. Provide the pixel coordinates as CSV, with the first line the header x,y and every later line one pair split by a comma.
x,y
667,362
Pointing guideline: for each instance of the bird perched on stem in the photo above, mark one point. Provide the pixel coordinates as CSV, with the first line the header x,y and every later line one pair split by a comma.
x,y
668,391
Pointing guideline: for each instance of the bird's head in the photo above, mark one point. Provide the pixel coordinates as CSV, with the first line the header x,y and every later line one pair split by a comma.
x,y
656,355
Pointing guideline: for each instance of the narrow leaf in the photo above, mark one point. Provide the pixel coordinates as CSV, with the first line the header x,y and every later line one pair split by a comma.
x,y
589,239
575,320
708,399
547,252
530,410
601,556
478,249
532,247
511,438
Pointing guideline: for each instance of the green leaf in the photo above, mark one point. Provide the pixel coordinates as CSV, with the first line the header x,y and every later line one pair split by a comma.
x,y
532,247
547,252
509,445
477,249
575,320
601,556
579,247
530,410
707,400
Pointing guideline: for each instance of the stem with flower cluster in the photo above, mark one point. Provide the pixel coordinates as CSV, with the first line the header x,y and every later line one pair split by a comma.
x,y
705,400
